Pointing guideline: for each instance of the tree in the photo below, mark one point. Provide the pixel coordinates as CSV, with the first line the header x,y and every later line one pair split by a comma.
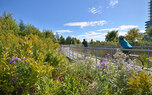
x,y
149,31
57,36
32,29
22,28
21,25
49,34
92,42
68,40
148,34
74,41
8,24
97,41
78,41
4,15
112,36
61,40
133,34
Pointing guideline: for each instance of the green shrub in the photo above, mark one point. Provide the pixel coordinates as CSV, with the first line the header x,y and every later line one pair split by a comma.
x,y
140,84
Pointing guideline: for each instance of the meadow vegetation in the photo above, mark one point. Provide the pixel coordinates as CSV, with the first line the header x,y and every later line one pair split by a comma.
x,y
32,64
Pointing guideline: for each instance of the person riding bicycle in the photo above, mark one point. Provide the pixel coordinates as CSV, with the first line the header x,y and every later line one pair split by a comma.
x,y
124,44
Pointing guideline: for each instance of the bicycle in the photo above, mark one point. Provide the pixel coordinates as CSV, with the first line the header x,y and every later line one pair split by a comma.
x,y
135,59
131,58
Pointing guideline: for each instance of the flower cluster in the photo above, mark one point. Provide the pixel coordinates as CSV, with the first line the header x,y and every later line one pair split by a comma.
x,y
119,56
120,62
15,61
103,65
14,78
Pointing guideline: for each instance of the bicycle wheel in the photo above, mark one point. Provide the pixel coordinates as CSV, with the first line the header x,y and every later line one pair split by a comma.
x,y
137,61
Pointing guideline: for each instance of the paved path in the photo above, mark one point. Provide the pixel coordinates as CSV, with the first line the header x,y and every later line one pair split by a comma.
x,y
79,55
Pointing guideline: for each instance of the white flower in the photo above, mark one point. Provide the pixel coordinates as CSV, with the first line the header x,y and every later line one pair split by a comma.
x,y
120,62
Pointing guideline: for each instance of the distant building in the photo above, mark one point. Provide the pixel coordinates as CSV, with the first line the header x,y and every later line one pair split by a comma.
x,y
149,23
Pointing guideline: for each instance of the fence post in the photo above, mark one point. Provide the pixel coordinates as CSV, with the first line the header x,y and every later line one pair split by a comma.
x,y
81,53
96,55
72,53
77,53
148,59
69,50
101,53
111,50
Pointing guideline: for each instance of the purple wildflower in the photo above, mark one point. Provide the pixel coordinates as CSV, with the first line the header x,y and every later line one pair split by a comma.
x,y
23,58
26,62
97,66
10,62
102,64
104,72
19,59
107,66
13,60
103,60
14,79
101,67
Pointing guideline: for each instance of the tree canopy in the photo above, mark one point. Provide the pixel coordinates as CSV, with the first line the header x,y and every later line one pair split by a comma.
x,y
133,34
112,36
149,31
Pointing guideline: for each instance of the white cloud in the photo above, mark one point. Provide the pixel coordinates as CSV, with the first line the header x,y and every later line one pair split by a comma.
x,y
110,29
63,31
94,10
97,36
85,24
92,35
113,3
122,33
142,31
126,27
123,27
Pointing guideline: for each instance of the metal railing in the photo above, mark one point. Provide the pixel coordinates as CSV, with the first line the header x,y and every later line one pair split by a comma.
x,y
75,51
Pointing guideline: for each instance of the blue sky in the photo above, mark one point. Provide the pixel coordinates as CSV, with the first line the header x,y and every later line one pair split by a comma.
x,y
90,19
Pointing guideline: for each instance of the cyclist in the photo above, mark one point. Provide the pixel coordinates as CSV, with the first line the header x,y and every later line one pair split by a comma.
x,y
124,44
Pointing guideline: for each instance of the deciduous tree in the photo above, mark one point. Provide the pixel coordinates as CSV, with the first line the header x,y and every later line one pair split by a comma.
x,y
133,34
112,36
